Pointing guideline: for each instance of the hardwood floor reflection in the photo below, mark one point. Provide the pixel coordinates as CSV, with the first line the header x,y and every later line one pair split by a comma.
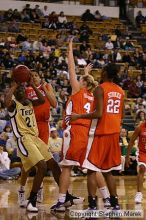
x,y
9,209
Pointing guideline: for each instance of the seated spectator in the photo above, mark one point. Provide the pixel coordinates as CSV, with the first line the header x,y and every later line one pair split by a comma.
x,y
8,15
45,24
140,19
143,90
134,90
8,130
60,128
53,20
55,144
98,16
85,32
3,138
38,11
26,45
34,16
37,45
62,20
21,37
16,15
13,27
87,16
83,47
5,172
127,45
140,117
139,82
109,45
2,125
126,58
141,108
8,61
11,148
25,17
117,57
45,11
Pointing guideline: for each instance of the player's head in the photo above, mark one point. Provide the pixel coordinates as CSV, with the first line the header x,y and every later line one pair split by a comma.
x,y
109,72
36,78
20,94
87,81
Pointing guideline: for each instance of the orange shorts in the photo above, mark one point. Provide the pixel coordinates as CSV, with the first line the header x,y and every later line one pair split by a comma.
x,y
75,139
142,158
105,153
43,128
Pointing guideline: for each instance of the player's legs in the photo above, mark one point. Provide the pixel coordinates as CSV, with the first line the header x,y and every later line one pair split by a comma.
x,y
21,191
112,189
140,179
94,180
40,173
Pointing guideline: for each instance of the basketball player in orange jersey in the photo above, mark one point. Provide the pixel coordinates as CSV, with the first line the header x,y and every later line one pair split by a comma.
x,y
42,114
104,154
76,134
140,132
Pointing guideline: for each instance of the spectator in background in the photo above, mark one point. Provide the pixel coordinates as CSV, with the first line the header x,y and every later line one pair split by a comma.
x,y
38,11
98,16
139,82
25,17
134,90
62,20
34,17
140,19
127,45
55,144
21,37
8,15
140,117
53,20
13,27
143,90
5,172
3,138
140,108
45,11
109,45
8,130
11,148
60,128
16,15
87,16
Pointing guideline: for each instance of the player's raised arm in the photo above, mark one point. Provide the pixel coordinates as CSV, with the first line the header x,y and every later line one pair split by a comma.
x,y
9,103
40,99
71,67
50,94
131,143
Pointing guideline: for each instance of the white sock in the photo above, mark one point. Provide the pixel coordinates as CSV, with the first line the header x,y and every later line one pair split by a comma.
x,y
104,192
22,188
62,197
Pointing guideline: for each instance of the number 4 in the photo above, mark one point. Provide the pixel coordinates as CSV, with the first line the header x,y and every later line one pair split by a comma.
x,y
87,106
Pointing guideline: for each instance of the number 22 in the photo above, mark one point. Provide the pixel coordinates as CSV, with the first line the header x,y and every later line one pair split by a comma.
x,y
113,106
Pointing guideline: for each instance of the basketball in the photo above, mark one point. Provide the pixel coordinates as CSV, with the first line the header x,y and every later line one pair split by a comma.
x,y
21,74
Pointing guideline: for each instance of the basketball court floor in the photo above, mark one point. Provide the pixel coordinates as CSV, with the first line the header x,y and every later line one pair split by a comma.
x,y
9,209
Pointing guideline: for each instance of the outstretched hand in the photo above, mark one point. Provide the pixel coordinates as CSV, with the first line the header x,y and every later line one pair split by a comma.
x,y
70,118
88,68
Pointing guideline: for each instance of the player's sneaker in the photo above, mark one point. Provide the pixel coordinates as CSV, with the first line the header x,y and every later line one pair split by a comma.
x,y
107,203
21,199
138,198
92,203
59,206
31,207
73,200
40,195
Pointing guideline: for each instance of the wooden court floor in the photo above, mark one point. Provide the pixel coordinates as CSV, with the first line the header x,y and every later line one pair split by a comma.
x,y
9,209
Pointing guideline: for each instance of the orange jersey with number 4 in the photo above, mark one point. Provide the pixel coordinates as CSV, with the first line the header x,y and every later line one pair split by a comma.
x,y
113,101
80,103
